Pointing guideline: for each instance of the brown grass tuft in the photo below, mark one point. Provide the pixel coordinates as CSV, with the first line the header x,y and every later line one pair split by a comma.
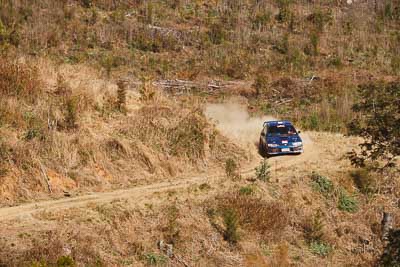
x,y
270,219
19,80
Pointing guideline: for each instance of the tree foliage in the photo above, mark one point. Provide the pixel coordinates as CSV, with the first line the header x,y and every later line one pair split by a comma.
x,y
378,123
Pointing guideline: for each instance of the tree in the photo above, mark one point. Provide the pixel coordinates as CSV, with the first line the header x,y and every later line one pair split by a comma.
x,y
378,123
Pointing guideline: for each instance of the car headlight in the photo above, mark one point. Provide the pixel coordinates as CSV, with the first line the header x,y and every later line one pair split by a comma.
x,y
296,144
272,145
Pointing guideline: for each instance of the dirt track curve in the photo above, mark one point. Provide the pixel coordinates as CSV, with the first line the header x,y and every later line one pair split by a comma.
x,y
24,212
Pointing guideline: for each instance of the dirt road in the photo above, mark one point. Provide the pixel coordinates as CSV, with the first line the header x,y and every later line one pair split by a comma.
x,y
24,212
233,121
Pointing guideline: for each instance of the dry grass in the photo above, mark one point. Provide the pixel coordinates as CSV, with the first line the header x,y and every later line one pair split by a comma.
x,y
73,135
224,41
69,127
269,219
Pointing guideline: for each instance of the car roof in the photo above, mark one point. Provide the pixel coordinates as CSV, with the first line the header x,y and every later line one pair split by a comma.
x,y
275,123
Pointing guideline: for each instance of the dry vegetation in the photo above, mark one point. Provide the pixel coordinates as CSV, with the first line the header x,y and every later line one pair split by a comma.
x,y
287,223
279,45
80,111
56,139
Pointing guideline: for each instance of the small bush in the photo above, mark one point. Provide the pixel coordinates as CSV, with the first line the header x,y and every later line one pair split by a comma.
x,y
148,40
335,61
322,184
346,202
313,48
261,19
320,248
217,33
65,261
314,229
246,190
155,259
188,137
267,218
260,84
231,169
121,96
71,113
320,18
108,62
263,172
172,229
364,181
231,223
285,13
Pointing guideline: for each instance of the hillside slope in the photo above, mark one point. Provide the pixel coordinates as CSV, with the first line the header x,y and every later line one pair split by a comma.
x,y
126,225
129,132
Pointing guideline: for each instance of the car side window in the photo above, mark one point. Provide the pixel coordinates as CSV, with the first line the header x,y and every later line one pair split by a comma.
x,y
264,131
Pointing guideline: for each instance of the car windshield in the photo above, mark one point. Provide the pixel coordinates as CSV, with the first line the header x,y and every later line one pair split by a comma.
x,y
281,130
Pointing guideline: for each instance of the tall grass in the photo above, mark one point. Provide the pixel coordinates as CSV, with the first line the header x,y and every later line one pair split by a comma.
x,y
123,36
267,218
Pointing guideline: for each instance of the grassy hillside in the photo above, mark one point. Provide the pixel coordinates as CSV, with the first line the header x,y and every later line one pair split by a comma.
x,y
102,109
70,135
277,46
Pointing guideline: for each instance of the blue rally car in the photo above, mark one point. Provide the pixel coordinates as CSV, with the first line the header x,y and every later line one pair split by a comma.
x,y
280,137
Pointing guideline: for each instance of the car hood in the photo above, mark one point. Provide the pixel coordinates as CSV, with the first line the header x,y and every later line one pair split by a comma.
x,y
278,139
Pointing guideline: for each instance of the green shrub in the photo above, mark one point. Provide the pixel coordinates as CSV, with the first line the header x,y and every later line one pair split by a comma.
x,y
296,61
314,228
65,261
155,259
312,122
335,61
322,184
320,248
263,171
346,202
261,19
109,61
314,42
246,190
231,223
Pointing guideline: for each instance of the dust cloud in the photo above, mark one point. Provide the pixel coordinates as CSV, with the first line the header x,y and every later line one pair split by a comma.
x,y
233,120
